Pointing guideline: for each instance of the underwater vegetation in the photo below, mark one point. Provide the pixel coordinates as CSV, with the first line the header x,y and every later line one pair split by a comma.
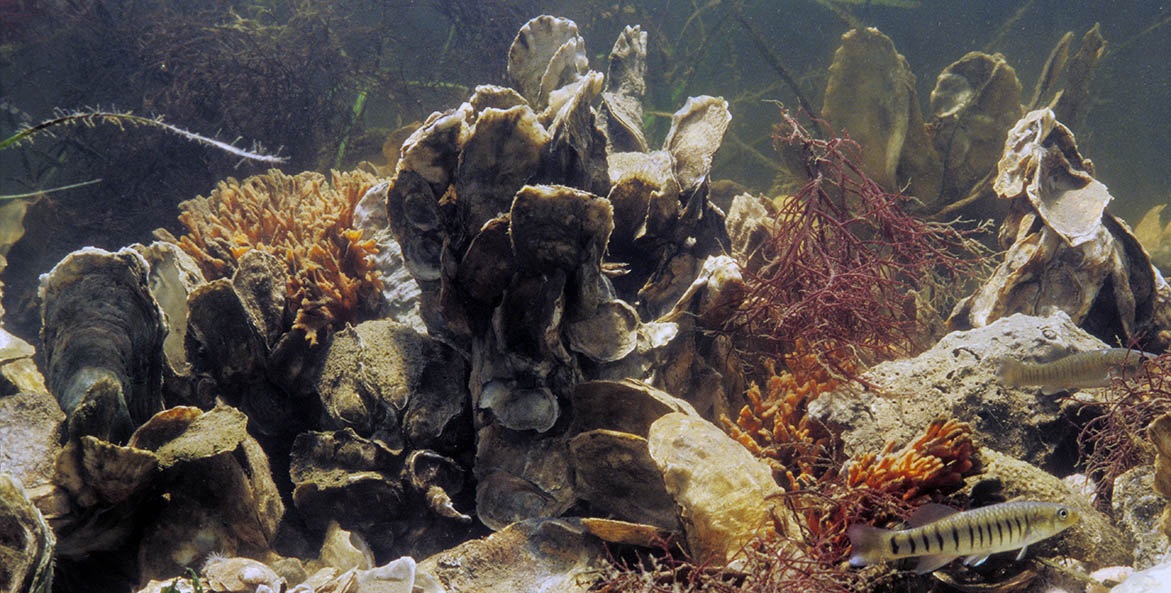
x,y
1115,440
844,257
306,221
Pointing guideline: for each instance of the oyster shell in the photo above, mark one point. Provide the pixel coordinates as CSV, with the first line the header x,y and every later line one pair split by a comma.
x,y
26,542
720,487
546,54
697,129
1041,161
101,326
870,94
609,335
975,101
621,109
502,152
615,473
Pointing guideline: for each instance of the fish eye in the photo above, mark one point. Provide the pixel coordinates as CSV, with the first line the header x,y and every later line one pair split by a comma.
x,y
1062,513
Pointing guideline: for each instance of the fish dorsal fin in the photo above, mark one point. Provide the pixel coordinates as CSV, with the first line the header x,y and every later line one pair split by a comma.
x,y
929,513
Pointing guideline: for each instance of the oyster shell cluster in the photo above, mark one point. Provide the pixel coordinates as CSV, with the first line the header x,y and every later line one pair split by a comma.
x,y
552,247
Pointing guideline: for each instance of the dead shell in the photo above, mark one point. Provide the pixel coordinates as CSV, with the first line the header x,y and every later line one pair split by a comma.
x,y
1041,161
99,320
240,575
609,335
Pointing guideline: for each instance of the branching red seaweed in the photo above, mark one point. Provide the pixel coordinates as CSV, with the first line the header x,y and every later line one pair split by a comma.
x,y
845,258
1115,441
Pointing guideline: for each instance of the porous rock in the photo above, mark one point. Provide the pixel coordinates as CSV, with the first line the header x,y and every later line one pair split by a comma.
x,y
1139,511
959,378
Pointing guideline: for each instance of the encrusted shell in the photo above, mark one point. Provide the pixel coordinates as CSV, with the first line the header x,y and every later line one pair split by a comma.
x,y
99,321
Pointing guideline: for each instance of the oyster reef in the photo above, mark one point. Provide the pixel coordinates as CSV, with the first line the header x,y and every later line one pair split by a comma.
x,y
463,297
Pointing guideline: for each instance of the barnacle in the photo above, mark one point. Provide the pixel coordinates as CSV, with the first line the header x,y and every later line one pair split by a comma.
x,y
304,220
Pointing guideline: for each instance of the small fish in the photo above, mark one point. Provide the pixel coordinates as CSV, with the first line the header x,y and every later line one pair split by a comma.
x,y
940,534
1096,368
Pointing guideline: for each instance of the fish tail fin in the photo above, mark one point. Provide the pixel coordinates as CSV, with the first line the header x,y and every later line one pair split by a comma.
x,y
1011,372
865,544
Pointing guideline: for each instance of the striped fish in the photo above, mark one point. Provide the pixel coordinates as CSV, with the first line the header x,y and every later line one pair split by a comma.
x,y
940,534
1096,368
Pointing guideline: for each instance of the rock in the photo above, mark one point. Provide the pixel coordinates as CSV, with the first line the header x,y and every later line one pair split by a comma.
x,y
100,322
32,427
959,378
26,542
1138,510
1094,540
1151,580
533,555
721,489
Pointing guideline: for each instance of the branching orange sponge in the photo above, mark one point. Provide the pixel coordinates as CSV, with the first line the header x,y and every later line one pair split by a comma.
x,y
304,221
